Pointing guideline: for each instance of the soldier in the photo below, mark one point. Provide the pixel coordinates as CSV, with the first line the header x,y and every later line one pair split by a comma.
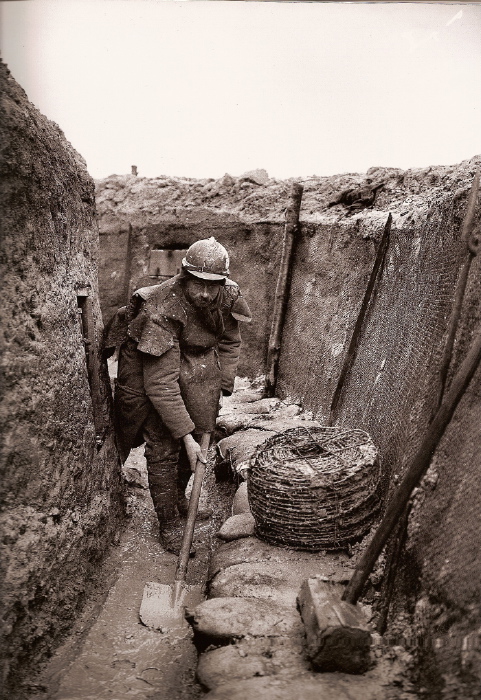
x,y
180,356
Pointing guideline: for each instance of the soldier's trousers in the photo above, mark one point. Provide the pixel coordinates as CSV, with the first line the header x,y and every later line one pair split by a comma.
x,y
167,466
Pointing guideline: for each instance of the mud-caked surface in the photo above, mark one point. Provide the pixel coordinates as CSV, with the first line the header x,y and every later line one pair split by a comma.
x,y
110,653
60,484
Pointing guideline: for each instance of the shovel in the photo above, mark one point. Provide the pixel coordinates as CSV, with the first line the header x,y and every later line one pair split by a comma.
x,y
163,606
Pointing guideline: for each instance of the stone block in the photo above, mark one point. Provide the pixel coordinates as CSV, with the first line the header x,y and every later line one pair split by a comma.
x,y
307,686
222,620
237,526
246,396
251,404
269,580
289,411
230,423
247,658
272,421
259,176
226,664
240,503
239,552
262,406
253,581
338,637
251,549
241,446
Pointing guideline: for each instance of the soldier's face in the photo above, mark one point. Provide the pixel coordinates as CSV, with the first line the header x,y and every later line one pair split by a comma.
x,y
202,293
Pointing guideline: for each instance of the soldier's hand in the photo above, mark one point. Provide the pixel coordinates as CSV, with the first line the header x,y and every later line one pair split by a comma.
x,y
193,450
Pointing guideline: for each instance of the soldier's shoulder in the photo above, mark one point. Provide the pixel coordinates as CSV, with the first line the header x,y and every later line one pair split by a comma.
x,y
165,300
155,292
235,302
231,289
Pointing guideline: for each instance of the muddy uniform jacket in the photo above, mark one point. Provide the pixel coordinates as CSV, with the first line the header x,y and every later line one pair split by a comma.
x,y
176,358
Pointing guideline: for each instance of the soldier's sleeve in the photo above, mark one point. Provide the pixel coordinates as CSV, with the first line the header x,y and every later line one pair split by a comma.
x,y
161,382
158,342
230,343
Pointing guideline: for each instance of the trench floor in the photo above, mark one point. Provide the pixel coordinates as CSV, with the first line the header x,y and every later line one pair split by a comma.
x,y
110,654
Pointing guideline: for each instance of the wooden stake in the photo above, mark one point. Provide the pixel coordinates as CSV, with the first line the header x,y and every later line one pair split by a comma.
x,y
469,235
282,288
353,345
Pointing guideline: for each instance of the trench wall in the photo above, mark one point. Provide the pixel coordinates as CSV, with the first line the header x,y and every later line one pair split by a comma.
x,y
392,392
392,387
61,497
441,565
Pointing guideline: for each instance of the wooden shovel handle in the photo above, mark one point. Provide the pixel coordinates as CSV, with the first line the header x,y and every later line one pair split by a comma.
x,y
181,569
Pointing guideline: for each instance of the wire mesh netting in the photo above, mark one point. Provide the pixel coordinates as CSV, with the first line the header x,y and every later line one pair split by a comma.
x,y
393,386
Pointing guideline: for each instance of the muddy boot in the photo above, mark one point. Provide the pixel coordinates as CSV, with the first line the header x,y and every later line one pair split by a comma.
x,y
163,489
171,534
203,512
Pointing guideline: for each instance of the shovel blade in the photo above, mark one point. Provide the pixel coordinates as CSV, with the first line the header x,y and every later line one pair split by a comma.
x,y
163,606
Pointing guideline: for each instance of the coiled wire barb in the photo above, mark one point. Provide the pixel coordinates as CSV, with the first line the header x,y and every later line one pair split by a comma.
x,y
315,488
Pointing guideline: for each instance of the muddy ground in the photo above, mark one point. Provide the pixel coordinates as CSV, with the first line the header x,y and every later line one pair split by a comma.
x,y
110,653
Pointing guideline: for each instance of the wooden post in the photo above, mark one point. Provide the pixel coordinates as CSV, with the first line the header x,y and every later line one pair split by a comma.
x,y
282,288
84,303
128,267
469,235
353,345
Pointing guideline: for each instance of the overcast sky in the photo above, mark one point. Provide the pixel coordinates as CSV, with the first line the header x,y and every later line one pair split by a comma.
x,y
198,89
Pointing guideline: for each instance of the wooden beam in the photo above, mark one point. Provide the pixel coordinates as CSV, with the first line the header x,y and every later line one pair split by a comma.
x,y
282,288
337,634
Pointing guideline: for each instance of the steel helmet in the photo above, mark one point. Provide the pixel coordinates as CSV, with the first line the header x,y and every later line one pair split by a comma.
x,y
207,259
